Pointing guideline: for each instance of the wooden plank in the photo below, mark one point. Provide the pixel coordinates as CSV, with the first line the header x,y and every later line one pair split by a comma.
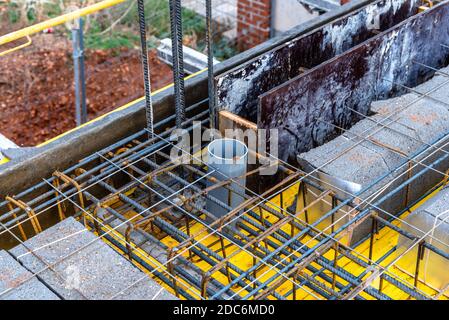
x,y
229,120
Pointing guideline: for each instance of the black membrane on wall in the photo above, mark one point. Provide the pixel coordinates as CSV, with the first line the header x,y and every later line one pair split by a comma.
x,y
239,89
376,69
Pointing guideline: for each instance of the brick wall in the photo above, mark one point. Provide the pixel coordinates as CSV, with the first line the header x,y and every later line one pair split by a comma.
x,y
253,25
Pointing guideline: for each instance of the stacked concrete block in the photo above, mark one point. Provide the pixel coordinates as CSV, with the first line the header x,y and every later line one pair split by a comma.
x,y
84,266
376,145
17,283
430,222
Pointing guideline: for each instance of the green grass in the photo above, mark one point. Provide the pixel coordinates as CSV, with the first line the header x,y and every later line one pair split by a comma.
x,y
110,40
157,15
13,13
50,10
125,34
116,40
158,24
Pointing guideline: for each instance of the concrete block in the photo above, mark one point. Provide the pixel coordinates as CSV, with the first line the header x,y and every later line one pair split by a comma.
x,y
380,144
89,267
12,274
432,219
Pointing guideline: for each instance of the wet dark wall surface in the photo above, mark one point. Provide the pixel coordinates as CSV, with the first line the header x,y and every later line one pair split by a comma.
x,y
306,108
239,89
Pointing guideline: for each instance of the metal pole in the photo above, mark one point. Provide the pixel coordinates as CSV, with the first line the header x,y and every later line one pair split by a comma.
x,y
80,81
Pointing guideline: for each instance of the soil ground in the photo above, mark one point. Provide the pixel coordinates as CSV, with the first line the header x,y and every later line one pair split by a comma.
x,y
37,99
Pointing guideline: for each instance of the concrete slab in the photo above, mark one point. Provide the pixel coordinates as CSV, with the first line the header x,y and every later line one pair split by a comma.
x,y
12,274
89,267
194,61
427,88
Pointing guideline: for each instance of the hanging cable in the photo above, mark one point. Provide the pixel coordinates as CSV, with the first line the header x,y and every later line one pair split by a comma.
x,y
178,60
146,68
210,63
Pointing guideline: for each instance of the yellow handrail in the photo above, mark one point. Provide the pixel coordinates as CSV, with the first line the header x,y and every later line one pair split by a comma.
x,y
23,45
57,20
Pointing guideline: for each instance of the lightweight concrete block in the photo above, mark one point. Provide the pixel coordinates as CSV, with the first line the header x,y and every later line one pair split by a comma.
x,y
430,221
13,276
89,268
380,143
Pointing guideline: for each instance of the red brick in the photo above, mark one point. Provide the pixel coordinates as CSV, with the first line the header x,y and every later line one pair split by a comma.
x,y
253,26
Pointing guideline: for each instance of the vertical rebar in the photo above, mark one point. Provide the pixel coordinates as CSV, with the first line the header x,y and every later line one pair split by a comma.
x,y
146,68
419,257
334,205
210,63
371,242
381,283
335,265
80,83
304,201
178,59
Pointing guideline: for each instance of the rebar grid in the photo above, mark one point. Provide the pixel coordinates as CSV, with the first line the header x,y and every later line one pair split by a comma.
x,y
111,199
145,204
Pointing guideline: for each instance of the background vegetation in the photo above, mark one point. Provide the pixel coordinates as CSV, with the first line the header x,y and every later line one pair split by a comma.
x,y
118,26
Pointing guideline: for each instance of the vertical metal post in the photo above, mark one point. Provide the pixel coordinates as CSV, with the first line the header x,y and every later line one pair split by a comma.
x,y
334,274
80,81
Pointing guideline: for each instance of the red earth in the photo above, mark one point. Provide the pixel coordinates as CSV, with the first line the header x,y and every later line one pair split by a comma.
x,y
37,99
